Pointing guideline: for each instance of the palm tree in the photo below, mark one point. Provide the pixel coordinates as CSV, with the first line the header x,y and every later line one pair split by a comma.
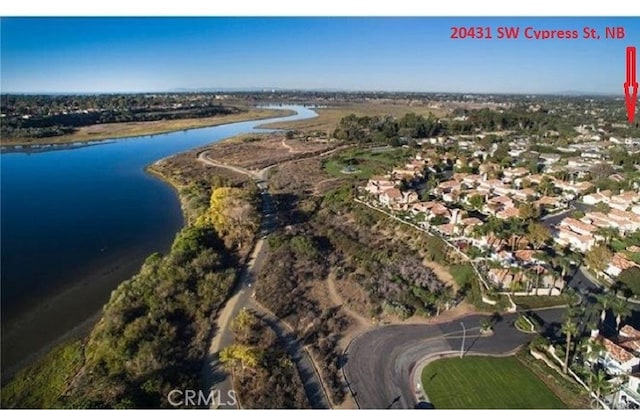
x,y
569,328
620,310
592,349
555,274
598,383
443,299
486,325
605,301
607,233
546,185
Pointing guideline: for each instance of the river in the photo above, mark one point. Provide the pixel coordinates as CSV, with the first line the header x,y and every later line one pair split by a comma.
x,y
78,220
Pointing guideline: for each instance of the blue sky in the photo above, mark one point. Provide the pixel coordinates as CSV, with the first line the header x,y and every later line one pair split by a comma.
x,y
408,54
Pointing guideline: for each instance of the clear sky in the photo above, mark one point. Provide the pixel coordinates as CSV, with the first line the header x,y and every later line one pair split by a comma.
x,y
404,54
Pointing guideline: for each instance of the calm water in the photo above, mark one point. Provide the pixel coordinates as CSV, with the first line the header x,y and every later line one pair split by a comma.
x,y
76,222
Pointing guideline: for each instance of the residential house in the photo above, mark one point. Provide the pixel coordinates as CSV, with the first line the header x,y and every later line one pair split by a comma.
x,y
513,173
378,184
616,359
549,202
390,196
628,396
593,199
508,213
578,235
617,264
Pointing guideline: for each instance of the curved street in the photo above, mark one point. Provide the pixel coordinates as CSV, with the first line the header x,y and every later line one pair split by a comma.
x,y
378,364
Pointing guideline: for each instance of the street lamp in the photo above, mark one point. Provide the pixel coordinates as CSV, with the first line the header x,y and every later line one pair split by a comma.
x,y
464,334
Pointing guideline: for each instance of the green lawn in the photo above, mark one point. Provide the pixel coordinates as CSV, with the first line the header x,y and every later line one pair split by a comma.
x,y
542,301
366,162
485,383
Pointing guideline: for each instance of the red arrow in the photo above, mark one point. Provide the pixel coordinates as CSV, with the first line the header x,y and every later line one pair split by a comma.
x,y
631,85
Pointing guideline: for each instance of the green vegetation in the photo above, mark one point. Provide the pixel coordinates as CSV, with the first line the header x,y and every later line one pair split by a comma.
x,y
630,281
153,331
42,385
462,273
525,324
565,388
406,129
542,301
264,375
368,162
232,212
485,382
42,116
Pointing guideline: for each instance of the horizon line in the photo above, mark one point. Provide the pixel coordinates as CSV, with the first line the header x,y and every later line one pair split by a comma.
x,y
270,90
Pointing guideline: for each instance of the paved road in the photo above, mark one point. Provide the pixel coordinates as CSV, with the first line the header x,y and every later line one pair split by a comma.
x,y
378,363
214,377
552,220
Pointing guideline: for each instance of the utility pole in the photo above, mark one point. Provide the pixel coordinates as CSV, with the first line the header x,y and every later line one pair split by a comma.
x,y
464,334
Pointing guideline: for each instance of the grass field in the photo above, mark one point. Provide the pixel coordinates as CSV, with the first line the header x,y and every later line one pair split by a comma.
x,y
366,162
486,383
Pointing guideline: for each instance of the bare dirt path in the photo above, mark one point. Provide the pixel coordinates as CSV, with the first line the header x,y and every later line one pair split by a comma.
x,y
212,374
289,147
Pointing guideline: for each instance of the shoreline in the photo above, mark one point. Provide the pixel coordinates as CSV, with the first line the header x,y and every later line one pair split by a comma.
x,y
92,284
72,140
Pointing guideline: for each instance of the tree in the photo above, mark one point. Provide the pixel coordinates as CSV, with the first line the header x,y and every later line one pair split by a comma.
x,y
592,349
444,298
621,310
602,207
631,279
569,328
598,258
240,356
243,322
486,325
555,274
598,383
607,233
538,234
528,211
546,185
605,301
232,214
476,202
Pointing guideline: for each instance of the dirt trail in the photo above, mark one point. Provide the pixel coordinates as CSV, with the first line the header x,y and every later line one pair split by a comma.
x,y
337,300
289,147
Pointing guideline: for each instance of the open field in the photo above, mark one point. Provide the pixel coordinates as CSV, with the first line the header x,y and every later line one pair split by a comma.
x,y
131,129
328,118
485,383
255,151
362,164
